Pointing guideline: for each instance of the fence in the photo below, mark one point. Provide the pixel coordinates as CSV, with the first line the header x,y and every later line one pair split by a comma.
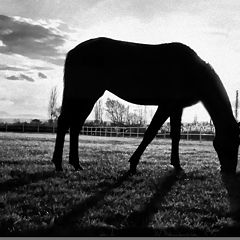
x,y
109,131
28,127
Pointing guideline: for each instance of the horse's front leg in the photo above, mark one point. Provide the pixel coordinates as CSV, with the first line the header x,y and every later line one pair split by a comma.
x,y
175,123
159,118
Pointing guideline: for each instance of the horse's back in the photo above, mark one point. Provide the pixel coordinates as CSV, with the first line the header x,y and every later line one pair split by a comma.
x,y
109,52
139,73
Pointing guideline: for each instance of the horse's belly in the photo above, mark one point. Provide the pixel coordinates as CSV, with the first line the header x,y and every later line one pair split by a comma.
x,y
155,96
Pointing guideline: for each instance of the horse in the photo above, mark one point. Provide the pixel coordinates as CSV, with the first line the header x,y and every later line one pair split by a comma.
x,y
170,75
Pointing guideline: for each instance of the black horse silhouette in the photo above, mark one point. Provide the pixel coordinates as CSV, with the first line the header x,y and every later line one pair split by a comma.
x,y
170,75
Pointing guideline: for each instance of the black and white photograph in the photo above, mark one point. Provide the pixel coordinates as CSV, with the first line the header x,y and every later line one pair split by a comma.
x,y
119,118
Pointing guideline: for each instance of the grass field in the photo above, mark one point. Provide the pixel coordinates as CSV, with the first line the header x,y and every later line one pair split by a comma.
x,y
103,199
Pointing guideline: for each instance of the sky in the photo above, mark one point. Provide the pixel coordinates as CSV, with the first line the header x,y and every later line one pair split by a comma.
x,y
35,36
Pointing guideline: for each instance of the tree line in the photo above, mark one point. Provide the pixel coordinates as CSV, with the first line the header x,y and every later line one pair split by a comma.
x,y
117,113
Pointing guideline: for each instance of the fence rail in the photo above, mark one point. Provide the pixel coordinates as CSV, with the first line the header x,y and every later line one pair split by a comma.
x,y
109,131
139,132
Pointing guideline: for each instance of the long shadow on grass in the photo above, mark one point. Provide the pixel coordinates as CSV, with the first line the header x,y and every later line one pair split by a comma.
x,y
63,225
142,217
135,225
79,210
23,178
107,231
6,162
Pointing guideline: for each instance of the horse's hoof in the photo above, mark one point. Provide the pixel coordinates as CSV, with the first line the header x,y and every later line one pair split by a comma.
x,y
179,172
133,169
58,168
178,169
236,216
76,166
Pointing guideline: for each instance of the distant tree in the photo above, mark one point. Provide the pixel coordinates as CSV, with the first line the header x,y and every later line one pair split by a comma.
x,y
58,111
119,114
35,121
135,119
116,111
195,120
52,106
98,111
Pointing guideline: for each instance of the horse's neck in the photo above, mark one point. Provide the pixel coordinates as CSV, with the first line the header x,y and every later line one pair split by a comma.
x,y
223,119
219,107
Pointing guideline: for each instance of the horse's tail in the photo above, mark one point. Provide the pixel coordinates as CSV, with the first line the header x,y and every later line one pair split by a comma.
x,y
68,72
68,65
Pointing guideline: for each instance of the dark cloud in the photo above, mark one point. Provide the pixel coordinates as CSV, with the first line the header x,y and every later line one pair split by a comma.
x,y
27,78
13,78
41,75
20,77
29,39
45,9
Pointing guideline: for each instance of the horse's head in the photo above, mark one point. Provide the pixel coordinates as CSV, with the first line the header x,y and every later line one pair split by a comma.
x,y
226,147
232,182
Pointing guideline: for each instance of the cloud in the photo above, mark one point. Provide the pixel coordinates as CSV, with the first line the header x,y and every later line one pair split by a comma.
x,y
10,68
20,77
23,67
42,68
27,78
34,40
41,75
4,114
13,78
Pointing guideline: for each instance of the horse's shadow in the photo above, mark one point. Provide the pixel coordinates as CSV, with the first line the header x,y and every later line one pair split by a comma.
x,y
136,224
164,184
63,226
22,178
78,210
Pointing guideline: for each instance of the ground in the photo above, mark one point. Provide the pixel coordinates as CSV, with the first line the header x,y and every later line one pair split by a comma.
x,y
103,199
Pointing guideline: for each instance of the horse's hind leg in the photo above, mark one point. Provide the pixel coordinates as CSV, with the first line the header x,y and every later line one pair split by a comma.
x,y
62,127
175,123
81,112
159,118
